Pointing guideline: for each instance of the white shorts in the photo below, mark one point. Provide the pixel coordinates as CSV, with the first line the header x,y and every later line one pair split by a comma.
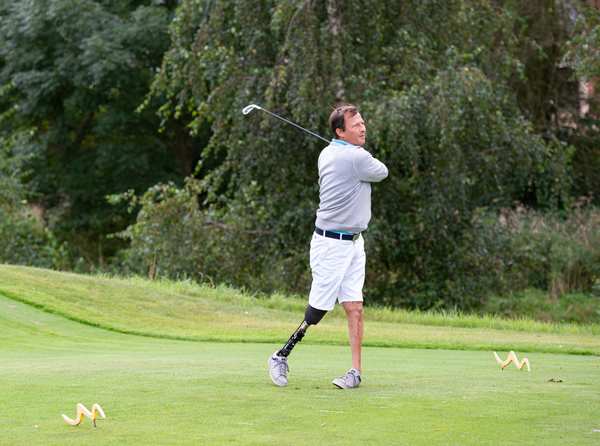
x,y
338,271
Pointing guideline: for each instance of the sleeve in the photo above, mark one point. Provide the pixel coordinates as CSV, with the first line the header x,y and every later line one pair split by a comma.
x,y
368,168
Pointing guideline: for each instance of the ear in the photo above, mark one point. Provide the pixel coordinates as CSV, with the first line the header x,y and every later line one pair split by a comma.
x,y
339,132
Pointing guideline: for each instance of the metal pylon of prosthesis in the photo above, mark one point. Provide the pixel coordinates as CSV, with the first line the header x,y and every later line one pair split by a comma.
x,y
294,339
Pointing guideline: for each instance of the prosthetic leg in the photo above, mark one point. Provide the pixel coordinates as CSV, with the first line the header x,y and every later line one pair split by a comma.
x,y
312,316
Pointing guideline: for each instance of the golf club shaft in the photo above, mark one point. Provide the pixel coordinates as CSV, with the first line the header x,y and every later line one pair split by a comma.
x,y
295,125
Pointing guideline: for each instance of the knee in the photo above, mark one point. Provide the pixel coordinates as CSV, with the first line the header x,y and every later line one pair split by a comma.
x,y
355,312
313,316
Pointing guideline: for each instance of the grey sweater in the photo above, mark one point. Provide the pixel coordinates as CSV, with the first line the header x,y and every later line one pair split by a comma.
x,y
345,176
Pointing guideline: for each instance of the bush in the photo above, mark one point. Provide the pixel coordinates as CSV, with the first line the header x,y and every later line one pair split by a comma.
x,y
556,253
24,241
540,265
174,238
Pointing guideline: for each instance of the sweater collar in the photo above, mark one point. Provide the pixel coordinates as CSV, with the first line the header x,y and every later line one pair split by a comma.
x,y
341,141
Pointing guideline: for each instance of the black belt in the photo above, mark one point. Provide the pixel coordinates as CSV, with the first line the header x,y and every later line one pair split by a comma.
x,y
337,235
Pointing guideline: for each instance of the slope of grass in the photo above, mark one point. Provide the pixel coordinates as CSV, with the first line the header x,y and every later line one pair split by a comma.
x,y
185,311
158,391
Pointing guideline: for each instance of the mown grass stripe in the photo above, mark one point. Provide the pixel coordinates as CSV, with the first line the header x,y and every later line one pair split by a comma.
x,y
269,340
277,302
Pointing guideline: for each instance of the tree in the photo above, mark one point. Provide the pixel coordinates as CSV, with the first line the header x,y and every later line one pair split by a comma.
x,y
433,80
77,71
583,55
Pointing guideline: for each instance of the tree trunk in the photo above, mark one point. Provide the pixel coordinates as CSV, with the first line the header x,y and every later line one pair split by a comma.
x,y
335,30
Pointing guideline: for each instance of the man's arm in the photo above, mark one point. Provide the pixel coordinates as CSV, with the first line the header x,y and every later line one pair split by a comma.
x,y
369,168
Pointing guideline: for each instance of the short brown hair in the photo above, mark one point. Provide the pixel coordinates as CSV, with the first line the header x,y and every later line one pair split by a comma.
x,y
337,117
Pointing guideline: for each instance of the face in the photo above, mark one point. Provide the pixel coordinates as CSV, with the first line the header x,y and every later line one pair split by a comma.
x,y
355,132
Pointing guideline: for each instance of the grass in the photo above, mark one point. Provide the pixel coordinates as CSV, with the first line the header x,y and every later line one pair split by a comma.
x,y
186,311
164,391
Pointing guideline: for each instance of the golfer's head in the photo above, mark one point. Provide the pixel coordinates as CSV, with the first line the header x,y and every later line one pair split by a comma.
x,y
347,124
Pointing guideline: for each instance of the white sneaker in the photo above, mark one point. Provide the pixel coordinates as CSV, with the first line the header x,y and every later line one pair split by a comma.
x,y
349,381
278,370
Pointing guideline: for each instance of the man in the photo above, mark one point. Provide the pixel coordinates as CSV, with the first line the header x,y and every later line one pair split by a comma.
x,y
337,254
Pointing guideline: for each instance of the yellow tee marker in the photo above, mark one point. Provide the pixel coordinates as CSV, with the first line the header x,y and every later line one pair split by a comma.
x,y
512,357
83,411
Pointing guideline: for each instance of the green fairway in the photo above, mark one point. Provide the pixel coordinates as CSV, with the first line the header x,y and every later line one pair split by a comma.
x,y
165,391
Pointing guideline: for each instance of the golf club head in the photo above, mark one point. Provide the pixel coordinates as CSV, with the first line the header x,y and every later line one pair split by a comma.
x,y
248,108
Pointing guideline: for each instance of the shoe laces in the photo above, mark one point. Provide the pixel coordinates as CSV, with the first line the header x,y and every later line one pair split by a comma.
x,y
282,365
352,375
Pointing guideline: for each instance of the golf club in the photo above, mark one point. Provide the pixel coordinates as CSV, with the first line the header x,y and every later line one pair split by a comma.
x,y
246,110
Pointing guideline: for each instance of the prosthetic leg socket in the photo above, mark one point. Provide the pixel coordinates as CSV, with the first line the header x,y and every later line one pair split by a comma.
x,y
313,316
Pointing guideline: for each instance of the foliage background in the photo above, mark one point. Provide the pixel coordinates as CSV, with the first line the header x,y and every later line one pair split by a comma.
x,y
473,105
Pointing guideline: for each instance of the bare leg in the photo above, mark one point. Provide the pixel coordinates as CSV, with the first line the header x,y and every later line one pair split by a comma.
x,y
354,313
